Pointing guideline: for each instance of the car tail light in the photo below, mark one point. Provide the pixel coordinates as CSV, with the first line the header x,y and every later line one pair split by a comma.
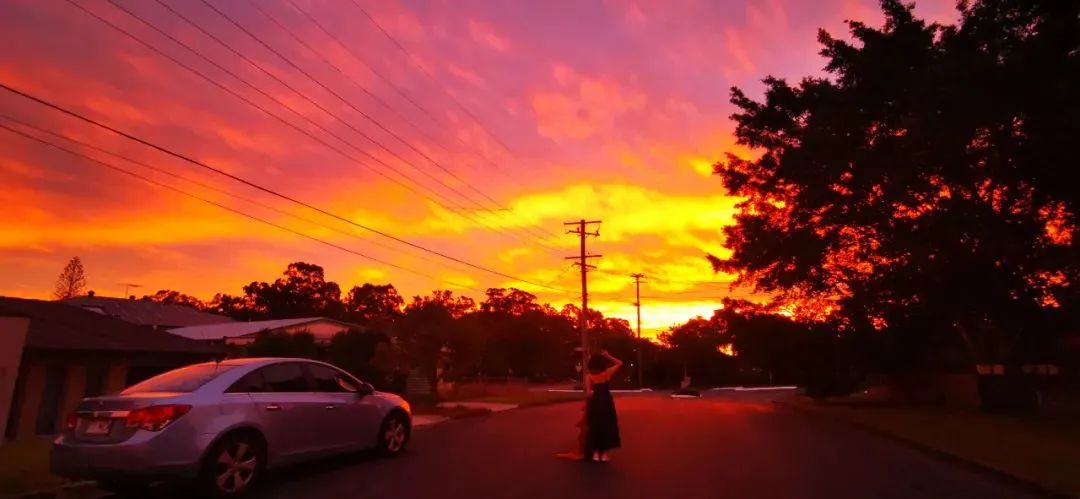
x,y
71,421
156,417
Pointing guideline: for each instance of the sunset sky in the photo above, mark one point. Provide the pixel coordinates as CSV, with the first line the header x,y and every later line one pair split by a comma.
x,y
612,110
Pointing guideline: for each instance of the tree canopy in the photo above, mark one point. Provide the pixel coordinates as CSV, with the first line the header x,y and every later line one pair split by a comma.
x,y
509,333
170,297
925,187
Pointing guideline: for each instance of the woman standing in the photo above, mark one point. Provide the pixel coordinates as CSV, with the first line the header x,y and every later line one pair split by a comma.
x,y
601,422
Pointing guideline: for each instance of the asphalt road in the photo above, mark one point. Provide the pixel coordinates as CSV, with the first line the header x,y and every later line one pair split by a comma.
x,y
724,445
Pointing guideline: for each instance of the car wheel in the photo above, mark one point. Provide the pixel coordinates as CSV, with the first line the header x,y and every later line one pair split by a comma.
x,y
393,435
125,488
234,466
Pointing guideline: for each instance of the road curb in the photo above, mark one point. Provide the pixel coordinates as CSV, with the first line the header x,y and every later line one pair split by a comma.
x,y
426,420
516,407
52,493
1025,484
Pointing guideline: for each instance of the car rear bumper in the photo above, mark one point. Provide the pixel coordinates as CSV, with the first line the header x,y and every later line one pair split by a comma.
x,y
148,459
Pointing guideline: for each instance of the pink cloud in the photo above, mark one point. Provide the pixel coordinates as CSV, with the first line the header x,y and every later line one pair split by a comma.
x,y
465,74
634,16
586,106
485,34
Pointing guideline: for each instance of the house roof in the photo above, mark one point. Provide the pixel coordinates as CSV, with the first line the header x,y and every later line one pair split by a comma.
x,y
146,312
57,326
238,329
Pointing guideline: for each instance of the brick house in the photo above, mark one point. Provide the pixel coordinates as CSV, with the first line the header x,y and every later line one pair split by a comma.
x,y
68,353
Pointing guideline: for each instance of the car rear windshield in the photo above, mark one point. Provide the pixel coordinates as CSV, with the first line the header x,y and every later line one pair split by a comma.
x,y
184,380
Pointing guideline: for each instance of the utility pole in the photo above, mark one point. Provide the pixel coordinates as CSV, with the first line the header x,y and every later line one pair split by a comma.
x,y
581,230
637,303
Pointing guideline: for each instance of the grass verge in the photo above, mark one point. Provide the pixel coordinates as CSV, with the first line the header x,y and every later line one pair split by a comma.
x,y
1042,451
24,467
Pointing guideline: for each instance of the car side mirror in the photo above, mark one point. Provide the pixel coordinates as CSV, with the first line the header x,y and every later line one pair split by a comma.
x,y
365,389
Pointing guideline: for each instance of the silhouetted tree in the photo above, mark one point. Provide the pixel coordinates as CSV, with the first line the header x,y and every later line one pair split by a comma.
x,y
764,340
302,291
72,280
170,297
696,347
926,188
241,308
509,333
521,337
282,344
428,324
374,305
354,350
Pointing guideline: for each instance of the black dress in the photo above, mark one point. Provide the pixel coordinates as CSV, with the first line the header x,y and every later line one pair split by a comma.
x,y
602,425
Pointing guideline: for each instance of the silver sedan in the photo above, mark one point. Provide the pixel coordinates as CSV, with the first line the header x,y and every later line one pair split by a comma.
x,y
221,425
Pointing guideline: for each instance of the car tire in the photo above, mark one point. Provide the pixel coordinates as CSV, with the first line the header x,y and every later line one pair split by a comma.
x,y
125,488
394,435
234,466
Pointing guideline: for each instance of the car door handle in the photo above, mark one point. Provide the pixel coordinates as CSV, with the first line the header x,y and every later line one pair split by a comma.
x,y
331,406
273,407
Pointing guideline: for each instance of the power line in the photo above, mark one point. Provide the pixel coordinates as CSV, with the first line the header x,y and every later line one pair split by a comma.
x,y
370,68
356,109
362,60
418,151
439,84
267,190
207,186
665,279
445,203
401,92
270,114
366,91
352,80
230,209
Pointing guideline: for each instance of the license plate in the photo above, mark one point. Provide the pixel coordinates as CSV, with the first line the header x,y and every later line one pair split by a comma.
x,y
98,427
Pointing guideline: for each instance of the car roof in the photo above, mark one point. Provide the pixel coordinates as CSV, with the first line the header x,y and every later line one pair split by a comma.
x,y
255,361
263,361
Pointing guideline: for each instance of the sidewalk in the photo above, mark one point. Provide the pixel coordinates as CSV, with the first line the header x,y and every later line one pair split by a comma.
x,y
455,409
1041,455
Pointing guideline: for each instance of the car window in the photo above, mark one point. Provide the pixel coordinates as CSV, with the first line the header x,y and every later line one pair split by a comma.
x,y
184,380
285,377
329,379
252,382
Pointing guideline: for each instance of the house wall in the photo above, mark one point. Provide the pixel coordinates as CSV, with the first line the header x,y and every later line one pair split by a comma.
x,y
12,339
116,376
74,390
32,385
32,380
